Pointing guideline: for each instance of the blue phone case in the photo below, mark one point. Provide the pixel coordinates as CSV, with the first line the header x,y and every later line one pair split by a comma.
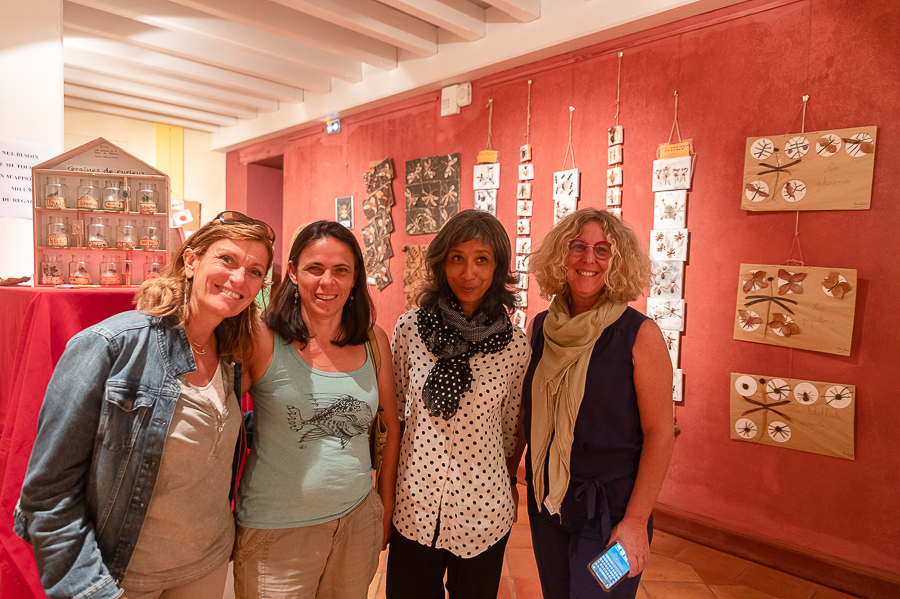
x,y
610,567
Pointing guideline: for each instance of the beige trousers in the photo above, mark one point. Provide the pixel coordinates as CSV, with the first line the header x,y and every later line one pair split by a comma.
x,y
211,586
334,560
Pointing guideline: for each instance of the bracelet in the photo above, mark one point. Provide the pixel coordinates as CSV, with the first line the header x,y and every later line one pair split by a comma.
x,y
513,480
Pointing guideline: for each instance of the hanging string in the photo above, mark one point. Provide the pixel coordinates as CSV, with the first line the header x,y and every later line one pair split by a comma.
x,y
795,243
795,240
618,86
801,113
490,107
569,147
675,126
528,118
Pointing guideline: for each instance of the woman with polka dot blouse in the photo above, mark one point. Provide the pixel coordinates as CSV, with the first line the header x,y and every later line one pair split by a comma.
x,y
597,406
458,363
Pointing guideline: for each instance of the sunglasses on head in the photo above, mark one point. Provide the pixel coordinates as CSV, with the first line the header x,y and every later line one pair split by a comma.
x,y
602,250
232,217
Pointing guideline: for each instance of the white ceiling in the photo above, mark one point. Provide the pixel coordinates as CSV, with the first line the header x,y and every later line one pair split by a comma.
x,y
246,70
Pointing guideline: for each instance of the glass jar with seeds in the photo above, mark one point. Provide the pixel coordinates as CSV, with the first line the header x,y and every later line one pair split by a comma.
x,y
52,270
98,233
79,270
147,199
89,194
126,235
152,268
55,193
150,235
58,232
112,196
110,273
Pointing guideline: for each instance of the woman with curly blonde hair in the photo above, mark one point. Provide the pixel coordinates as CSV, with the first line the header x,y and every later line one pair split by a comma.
x,y
596,398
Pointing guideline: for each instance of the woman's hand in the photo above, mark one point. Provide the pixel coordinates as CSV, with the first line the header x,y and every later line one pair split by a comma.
x,y
388,504
632,535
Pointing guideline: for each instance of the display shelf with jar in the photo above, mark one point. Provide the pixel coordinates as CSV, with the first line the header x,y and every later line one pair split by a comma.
x,y
103,210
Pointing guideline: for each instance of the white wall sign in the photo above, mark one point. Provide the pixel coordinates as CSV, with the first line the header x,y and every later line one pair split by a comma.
x,y
16,160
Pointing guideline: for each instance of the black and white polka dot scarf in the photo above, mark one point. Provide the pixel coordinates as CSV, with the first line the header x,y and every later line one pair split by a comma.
x,y
453,340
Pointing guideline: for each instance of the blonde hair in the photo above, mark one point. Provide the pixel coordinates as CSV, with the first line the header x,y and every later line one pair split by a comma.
x,y
170,294
628,274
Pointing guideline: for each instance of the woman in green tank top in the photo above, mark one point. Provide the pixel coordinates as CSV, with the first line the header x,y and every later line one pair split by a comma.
x,y
310,523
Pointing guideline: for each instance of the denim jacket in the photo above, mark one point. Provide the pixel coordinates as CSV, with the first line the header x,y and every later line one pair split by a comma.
x,y
100,437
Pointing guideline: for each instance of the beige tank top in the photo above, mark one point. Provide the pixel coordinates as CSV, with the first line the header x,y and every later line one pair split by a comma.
x,y
189,528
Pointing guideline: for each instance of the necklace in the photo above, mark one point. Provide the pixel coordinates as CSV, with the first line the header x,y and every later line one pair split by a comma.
x,y
315,363
197,348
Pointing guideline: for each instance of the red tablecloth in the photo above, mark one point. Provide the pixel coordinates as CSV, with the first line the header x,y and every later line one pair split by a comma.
x,y
35,325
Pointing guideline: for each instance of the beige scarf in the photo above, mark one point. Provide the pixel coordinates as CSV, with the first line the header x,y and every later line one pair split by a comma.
x,y
558,388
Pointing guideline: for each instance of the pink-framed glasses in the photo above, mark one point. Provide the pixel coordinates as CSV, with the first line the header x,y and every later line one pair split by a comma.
x,y
602,249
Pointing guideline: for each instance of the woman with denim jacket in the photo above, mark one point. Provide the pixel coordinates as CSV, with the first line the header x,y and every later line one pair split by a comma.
x,y
140,433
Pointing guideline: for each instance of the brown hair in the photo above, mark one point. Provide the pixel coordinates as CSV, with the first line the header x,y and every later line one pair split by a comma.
x,y
284,315
628,274
170,294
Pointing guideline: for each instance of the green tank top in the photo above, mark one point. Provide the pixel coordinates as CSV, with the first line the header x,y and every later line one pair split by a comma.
x,y
310,460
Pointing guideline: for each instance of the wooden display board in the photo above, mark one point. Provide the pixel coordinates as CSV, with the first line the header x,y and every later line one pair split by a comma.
x,y
796,306
797,414
56,186
818,170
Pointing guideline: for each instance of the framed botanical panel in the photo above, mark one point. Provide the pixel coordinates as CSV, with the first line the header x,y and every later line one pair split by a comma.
x,y
669,209
672,173
566,184
486,200
486,176
668,314
343,211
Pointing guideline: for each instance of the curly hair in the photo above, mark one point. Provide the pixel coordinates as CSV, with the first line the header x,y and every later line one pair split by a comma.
x,y
466,226
170,294
628,274
284,315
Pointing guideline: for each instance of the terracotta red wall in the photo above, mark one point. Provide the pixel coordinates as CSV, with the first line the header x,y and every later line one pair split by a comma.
x,y
739,72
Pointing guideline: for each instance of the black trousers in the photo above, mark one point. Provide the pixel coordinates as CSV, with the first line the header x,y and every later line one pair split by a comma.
x,y
562,557
416,571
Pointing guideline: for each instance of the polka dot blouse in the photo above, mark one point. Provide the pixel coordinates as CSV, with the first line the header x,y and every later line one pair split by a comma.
x,y
457,468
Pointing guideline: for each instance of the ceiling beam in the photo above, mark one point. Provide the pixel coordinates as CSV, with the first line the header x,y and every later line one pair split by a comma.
x,y
86,61
373,19
150,92
182,67
116,99
82,18
173,17
456,16
136,114
306,29
523,11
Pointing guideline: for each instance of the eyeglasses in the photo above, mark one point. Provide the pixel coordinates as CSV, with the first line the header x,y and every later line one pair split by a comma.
x,y
602,250
231,217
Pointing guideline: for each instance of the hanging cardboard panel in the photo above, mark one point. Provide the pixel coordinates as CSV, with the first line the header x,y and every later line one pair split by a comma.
x,y
819,170
796,306
796,414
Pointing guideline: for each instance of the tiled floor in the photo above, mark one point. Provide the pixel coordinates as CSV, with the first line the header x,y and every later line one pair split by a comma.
x,y
678,569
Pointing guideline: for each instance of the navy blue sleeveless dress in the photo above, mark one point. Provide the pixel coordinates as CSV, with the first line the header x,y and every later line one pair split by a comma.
x,y
606,451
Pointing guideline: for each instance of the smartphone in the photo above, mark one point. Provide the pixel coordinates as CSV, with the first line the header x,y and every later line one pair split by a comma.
x,y
610,567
